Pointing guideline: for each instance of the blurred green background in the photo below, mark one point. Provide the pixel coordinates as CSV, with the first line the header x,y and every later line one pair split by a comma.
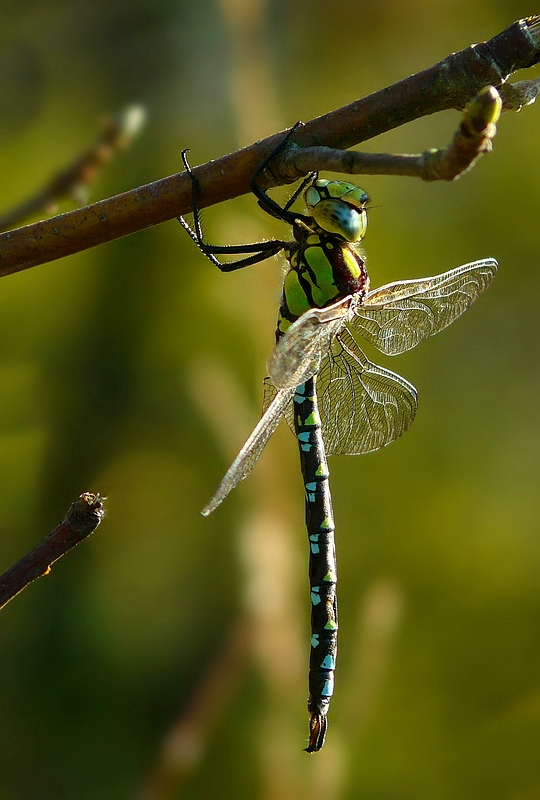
x,y
166,657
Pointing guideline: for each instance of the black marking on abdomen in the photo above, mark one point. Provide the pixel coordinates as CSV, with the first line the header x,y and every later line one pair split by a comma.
x,y
322,560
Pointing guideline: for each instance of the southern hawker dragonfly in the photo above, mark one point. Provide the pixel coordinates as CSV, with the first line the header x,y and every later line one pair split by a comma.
x,y
332,396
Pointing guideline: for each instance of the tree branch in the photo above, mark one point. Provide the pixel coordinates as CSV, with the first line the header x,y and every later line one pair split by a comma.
x,y
81,519
471,140
116,134
185,742
451,83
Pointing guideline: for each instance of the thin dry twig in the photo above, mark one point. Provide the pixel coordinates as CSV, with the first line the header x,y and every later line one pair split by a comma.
x,y
452,83
72,182
184,744
471,140
81,519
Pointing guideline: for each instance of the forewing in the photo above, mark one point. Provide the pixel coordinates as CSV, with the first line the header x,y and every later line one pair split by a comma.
x,y
395,317
298,354
252,449
363,406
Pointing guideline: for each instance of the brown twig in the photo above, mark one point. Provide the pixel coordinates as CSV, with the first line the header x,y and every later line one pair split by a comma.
x,y
471,140
82,519
184,744
72,182
452,83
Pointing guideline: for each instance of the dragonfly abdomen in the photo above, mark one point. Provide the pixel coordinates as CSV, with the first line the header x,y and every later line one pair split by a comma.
x,y
322,560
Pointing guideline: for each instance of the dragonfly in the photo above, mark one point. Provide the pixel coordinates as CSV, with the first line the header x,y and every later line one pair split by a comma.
x,y
333,397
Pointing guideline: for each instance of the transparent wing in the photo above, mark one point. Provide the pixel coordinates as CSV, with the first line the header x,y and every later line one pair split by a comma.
x,y
298,354
397,316
252,449
296,358
269,392
363,407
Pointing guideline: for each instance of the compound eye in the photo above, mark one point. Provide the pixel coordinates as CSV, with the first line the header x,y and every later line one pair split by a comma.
x,y
322,190
335,216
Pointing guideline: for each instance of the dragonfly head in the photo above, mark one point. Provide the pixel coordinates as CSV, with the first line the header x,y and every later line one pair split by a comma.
x,y
338,207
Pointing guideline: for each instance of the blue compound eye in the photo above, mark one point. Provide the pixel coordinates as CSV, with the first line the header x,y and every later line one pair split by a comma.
x,y
338,217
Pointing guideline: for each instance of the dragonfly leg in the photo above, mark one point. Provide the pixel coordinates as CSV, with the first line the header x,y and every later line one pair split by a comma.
x,y
263,198
259,250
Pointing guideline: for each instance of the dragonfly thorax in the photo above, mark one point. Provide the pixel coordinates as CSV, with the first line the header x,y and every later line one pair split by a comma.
x,y
338,207
323,269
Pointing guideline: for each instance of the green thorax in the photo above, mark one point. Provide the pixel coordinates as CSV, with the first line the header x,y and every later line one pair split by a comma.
x,y
326,262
